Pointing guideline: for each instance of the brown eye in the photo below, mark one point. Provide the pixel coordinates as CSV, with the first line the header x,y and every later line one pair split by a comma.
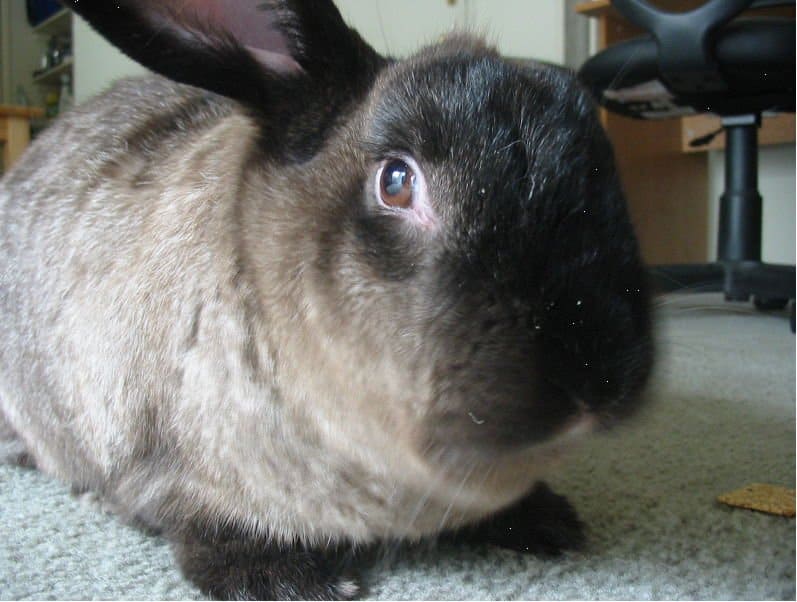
x,y
396,184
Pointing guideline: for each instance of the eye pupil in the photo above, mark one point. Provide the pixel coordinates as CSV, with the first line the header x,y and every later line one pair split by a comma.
x,y
397,184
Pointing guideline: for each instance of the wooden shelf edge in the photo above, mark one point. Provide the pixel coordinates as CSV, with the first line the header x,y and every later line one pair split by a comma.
x,y
20,111
775,129
593,8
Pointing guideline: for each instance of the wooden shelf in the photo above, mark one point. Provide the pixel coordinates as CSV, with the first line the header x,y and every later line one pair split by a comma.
x,y
20,111
15,130
601,8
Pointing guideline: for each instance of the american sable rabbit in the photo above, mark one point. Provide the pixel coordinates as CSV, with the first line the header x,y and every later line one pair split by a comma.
x,y
290,297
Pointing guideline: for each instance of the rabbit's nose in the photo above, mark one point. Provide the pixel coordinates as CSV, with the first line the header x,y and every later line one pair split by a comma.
x,y
608,385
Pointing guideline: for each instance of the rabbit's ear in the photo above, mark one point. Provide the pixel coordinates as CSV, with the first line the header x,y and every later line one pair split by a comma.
x,y
264,53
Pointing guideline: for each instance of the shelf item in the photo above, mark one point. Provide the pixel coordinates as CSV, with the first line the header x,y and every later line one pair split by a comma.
x,y
52,76
58,59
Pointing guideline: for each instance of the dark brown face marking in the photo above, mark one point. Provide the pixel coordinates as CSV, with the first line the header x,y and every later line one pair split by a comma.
x,y
534,283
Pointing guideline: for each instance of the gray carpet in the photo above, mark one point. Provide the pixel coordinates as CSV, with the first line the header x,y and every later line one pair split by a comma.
x,y
722,415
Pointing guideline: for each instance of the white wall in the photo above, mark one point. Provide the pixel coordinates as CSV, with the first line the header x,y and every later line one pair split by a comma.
x,y
398,28
5,50
522,28
97,63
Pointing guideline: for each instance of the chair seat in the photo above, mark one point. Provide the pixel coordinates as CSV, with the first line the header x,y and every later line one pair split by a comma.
x,y
754,56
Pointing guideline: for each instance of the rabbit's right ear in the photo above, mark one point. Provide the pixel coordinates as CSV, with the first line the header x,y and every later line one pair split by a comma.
x,y
287,59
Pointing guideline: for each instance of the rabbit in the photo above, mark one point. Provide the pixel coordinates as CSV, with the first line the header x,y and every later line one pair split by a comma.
x,y
286,298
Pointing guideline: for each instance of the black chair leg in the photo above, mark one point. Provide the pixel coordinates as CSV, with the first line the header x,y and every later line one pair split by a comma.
x,y
738,271
740,204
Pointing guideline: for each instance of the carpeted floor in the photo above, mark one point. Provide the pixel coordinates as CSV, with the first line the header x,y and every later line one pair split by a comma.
x,y
722,415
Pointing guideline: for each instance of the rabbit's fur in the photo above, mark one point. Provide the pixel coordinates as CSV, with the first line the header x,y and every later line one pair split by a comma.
x,y
209,318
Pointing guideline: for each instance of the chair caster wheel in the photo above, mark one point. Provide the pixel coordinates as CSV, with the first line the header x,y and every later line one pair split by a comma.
x,y
764,304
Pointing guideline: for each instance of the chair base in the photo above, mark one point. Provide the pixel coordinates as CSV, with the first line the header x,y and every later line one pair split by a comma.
x,y
771,286
739,280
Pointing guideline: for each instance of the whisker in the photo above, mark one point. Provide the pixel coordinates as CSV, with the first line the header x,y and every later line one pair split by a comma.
x,y
381,21
507,146
423,499
706,286
623,70
686,302
458,491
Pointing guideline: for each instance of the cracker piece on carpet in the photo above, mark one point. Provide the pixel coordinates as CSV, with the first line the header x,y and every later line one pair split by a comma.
x,y
771,499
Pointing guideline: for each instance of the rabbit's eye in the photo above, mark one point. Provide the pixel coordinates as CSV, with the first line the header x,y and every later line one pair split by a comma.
x,y
400,186
396,183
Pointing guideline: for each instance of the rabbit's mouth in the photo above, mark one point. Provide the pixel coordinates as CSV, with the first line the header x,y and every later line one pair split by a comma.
x,y
463,486
468,436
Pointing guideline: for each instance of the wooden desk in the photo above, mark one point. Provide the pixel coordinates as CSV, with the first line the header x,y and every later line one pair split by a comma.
x,y
666,181
15,131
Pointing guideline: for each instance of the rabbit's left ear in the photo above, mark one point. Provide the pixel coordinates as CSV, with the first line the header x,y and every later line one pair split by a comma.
x,y
276,56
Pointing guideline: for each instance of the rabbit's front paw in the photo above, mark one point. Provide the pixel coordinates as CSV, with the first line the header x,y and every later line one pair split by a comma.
x,y
540,523
264,571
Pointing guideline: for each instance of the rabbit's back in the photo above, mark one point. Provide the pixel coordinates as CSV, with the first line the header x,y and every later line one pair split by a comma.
x,y
136,119
113,234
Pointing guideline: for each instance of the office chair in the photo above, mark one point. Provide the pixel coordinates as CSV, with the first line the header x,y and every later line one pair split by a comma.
x,y
704,60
